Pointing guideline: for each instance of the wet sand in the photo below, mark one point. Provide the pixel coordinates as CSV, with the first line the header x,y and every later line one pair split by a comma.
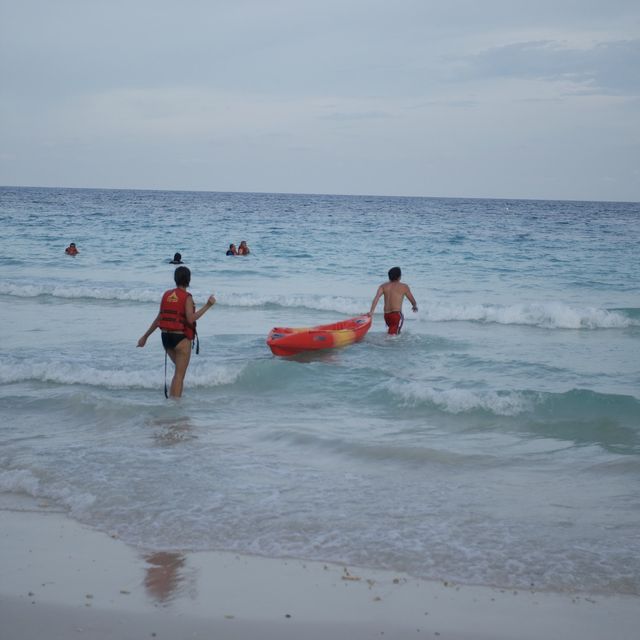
x,y
61,580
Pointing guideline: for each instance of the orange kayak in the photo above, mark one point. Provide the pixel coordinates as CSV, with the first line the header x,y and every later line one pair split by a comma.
x,y
290,341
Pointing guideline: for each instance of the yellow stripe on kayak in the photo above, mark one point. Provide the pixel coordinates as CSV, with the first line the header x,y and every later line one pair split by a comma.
x,y
343,337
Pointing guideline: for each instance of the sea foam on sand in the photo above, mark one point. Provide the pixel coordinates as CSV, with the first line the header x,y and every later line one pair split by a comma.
x,y
61,580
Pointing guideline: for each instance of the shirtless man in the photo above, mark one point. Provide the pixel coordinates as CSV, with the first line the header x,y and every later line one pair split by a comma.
x,y
394,293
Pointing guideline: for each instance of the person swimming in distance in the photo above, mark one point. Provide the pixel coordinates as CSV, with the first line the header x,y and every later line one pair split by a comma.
x,y
71,250
394,293
243,249
232,251
177,259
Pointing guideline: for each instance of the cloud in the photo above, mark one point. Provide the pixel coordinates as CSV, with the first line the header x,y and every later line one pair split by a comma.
x,y
606,68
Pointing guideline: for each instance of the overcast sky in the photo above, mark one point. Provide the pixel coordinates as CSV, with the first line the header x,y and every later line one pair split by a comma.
x,y
477,98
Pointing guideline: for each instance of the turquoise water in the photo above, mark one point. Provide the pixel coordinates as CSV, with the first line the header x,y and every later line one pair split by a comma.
x,y
497,441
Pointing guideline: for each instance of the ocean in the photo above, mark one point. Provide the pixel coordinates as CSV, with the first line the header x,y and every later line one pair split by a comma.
x,y
496,441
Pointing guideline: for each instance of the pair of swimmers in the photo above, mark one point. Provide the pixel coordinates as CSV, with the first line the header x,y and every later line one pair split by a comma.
x,y
242,250
177,318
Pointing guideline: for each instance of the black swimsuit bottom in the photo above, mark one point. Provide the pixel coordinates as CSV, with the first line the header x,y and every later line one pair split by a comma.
x,y
171,340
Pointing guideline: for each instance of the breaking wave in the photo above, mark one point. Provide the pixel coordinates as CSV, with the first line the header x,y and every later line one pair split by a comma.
x,y
572,404
548,315
72,373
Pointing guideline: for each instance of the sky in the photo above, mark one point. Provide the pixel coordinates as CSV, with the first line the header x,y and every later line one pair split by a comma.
x,y
447,98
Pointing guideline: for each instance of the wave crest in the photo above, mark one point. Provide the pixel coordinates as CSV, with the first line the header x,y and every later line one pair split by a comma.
x,y
501,403
550,315
573,404
69,374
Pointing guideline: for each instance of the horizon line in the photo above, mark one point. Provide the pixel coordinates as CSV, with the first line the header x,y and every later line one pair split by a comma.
x,y
337,195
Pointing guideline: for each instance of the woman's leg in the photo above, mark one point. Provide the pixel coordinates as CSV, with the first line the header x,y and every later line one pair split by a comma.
x,y
180,356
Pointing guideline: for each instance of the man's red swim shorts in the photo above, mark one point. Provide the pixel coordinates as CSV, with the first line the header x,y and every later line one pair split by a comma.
x,y
394,321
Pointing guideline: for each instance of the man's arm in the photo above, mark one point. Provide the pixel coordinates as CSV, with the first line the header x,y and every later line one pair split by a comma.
x,y
375,300
411,299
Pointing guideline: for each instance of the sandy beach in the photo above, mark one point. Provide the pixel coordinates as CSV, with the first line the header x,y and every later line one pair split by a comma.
x,y
62,580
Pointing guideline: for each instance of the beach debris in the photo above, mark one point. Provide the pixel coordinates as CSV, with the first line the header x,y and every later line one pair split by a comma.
x,y
229,617
347,576
125,592
89,596
287,615
31,593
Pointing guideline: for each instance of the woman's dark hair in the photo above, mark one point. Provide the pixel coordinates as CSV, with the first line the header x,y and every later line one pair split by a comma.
x,y
182,276
394,274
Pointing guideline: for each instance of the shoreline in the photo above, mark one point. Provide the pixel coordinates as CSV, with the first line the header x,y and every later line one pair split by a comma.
x,y
61,579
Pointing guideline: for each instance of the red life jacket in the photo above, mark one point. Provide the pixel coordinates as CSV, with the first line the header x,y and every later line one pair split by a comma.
x,y
173,312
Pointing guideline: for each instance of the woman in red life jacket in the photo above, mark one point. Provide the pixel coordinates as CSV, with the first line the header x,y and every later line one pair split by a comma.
x,y
243,249
177,321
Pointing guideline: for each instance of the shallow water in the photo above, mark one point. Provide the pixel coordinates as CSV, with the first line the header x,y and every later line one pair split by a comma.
x,y
497,441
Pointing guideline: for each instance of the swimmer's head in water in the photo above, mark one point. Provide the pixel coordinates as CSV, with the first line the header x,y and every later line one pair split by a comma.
x,y
394,274
182,276
177,257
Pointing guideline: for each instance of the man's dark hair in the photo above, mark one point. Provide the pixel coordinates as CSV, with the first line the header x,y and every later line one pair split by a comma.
x,y
394,274
182,276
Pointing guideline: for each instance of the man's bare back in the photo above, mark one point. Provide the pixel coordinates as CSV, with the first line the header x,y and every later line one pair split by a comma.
x,y
394,293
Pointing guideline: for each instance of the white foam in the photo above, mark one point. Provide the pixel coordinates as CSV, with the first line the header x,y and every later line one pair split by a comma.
x,y
463,400
22,481
19,481
550,315
66,373
78,292
339,304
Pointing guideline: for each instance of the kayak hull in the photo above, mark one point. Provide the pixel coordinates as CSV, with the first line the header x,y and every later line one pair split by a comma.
x,y
289,341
